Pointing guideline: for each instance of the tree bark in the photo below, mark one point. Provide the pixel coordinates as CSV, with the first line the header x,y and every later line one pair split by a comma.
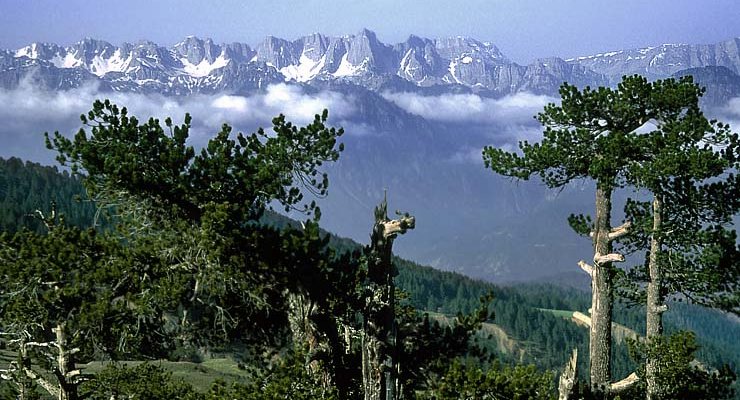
x,y
379,368
568,377
655,306
377,339
65,366
601,296
307,338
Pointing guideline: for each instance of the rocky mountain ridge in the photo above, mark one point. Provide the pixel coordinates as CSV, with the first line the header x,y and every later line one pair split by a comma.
x,y
469,219
197,65
664,60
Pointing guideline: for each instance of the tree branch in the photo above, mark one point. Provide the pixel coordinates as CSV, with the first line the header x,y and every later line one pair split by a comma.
x,y
586,268
624,384
52,389
620,231
605,258
661,308
395,226
568,377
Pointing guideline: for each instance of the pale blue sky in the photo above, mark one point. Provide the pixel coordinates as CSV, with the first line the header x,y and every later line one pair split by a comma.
x,y
522,29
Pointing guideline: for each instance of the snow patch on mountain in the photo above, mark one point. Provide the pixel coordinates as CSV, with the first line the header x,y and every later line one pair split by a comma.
x,y
405,64
305,70
116,63
68,61
28,51
346,68
452,69
203,68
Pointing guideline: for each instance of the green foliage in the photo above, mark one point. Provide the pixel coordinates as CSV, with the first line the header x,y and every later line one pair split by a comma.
x,y
187,264
498,382
688,164
588,135
679,376
288,379
145,381
239,176
80,278
542,336
197,213
430,345
27,187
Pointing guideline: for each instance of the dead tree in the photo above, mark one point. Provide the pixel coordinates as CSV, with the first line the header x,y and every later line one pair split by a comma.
x,y
379,358
568,378
57,353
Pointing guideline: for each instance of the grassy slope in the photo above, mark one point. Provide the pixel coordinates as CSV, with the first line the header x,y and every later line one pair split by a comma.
x,y
200,375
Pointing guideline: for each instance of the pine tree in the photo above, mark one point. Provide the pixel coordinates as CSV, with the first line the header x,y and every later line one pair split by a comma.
x,y
199,212
686,163
688,169
590,135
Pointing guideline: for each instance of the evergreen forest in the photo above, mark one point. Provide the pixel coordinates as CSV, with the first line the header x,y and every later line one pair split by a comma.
x,y
144,268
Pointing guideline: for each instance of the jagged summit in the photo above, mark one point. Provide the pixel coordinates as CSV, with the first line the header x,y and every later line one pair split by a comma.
x,y
663,60
196,65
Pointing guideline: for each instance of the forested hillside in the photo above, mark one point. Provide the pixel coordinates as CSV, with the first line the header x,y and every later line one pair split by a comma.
x,y
192,265
27,187
528,334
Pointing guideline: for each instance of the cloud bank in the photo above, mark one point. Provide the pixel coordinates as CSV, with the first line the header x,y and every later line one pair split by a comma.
x,y
28,111
517,108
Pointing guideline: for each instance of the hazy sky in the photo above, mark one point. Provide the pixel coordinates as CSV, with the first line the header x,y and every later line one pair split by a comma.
x,y
522,29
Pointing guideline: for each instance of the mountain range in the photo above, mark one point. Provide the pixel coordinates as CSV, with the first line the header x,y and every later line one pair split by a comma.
x,y
422,111
465,64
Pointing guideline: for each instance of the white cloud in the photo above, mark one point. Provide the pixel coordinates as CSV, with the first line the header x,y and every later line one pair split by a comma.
x,y
517,108
28,111
729,113
358,128
468,155
732,107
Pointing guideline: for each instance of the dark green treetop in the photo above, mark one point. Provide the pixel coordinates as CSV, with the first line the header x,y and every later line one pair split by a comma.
x,y
243,174
588,135
690,167
197,212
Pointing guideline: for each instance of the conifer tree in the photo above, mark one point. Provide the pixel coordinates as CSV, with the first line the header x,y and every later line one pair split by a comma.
x,y
589,135
199,213
689,170
686,163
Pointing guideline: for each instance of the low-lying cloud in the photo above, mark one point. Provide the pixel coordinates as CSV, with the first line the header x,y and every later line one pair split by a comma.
x,y
28,111
517,108
729,113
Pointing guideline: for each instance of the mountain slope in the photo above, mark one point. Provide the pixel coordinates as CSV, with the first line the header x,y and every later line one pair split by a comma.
x,y
661,61
421,111
522,332
197,65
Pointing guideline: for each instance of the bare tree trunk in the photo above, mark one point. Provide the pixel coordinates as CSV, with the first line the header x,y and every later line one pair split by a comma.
x,y
568,377
655,306
372,374
377,358
24,363
379,369
601,296
306,336
65,366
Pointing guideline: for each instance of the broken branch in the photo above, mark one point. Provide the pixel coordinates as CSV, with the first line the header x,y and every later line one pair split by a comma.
x,y
620,231
605,258
624,384
587,268
395,226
